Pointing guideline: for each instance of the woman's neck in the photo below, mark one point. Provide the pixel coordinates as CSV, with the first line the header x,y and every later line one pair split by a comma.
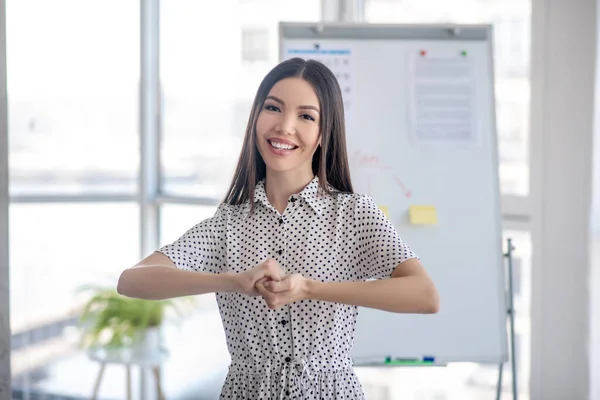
x,y
281,185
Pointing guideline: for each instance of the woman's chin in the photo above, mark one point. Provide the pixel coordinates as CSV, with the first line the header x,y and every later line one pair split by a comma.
x,y
279,166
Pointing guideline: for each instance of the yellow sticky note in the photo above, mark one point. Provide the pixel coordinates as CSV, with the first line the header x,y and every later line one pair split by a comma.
x,y
422,215
384,209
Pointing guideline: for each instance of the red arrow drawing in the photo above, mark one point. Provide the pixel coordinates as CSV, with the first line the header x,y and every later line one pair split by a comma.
x,y
407,192
374,161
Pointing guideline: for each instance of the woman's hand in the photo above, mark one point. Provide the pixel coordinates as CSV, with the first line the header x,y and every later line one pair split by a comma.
x,y
267,271
285,291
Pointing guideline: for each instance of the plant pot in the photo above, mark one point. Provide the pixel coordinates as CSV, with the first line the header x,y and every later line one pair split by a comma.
x,y
148,342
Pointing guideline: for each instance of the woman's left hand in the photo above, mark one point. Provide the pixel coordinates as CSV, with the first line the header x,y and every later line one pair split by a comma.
x,y
279,293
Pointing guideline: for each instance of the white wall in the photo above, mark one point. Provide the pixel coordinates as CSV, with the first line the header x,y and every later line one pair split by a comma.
x,y
562,75
594,284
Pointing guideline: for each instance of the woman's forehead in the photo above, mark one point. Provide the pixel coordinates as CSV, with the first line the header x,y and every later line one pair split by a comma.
x,y
295,91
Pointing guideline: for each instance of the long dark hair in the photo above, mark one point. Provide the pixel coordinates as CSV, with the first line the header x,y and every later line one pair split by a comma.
x,y
330,161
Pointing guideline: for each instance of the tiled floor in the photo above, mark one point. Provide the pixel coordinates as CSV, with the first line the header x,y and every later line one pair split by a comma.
x,y
198,364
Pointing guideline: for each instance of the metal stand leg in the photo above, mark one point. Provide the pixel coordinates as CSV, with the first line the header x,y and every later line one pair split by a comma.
x,y
499,387
510,312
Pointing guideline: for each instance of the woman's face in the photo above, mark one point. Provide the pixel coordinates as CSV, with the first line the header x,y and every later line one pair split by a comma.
x,y
287,128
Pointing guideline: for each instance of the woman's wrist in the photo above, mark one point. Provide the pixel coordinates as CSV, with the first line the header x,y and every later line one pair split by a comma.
x,y
311,289
230,282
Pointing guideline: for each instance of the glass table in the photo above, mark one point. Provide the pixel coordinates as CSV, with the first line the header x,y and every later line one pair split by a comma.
x,y
150,359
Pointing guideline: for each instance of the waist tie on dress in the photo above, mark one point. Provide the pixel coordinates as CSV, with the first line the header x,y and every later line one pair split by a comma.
x,y
307,374
303,381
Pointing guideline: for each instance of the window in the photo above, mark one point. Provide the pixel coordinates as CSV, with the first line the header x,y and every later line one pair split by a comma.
x,y
208,90
73,93
72,96
55,249
255,45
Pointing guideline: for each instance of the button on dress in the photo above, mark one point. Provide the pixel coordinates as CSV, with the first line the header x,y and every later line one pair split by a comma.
x,y
302,350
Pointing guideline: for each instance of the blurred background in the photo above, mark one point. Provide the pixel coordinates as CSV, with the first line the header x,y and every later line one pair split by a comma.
x,y
99,178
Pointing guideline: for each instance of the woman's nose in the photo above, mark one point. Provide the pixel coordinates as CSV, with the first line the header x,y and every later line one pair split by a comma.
x,y
287,125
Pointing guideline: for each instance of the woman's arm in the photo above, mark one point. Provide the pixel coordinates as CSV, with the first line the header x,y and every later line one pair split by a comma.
x,y
156,277
408,290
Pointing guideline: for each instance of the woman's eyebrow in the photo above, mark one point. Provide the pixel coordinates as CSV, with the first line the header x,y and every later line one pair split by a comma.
x,y
309,108
278,100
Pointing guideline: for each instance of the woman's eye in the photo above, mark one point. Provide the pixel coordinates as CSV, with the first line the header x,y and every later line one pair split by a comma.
x,y
308,117
271,108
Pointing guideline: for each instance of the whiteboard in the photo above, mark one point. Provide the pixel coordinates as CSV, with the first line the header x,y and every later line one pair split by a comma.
x,y
420,119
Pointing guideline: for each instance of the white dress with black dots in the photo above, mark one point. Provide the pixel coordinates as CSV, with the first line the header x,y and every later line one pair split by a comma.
x,y
302,350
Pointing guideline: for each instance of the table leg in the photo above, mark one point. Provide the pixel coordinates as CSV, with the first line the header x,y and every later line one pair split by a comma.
x,y
98,380
159,391
142,382
128,382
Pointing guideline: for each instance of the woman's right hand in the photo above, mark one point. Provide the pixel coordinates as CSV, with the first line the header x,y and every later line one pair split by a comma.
x,y
267,270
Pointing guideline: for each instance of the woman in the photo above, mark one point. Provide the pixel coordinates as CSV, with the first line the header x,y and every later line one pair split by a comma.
x,y
292,251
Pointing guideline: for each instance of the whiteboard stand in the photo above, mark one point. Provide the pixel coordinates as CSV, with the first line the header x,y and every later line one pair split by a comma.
x,y
510,311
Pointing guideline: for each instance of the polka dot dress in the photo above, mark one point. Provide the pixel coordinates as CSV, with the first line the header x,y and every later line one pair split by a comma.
x,y
302,350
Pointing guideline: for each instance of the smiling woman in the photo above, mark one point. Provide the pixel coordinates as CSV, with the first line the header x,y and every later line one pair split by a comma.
x,y
292,252
299,102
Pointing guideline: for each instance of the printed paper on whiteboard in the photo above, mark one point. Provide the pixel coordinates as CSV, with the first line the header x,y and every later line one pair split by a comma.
x,y
339,61
442,98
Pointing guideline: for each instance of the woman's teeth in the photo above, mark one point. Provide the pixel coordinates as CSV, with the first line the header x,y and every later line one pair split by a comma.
x,y
281,146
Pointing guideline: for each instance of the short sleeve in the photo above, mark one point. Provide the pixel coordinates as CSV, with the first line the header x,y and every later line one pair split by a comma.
x,y
379,246
203,247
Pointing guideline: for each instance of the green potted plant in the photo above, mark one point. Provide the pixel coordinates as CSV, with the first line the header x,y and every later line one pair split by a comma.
x,y
113,321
